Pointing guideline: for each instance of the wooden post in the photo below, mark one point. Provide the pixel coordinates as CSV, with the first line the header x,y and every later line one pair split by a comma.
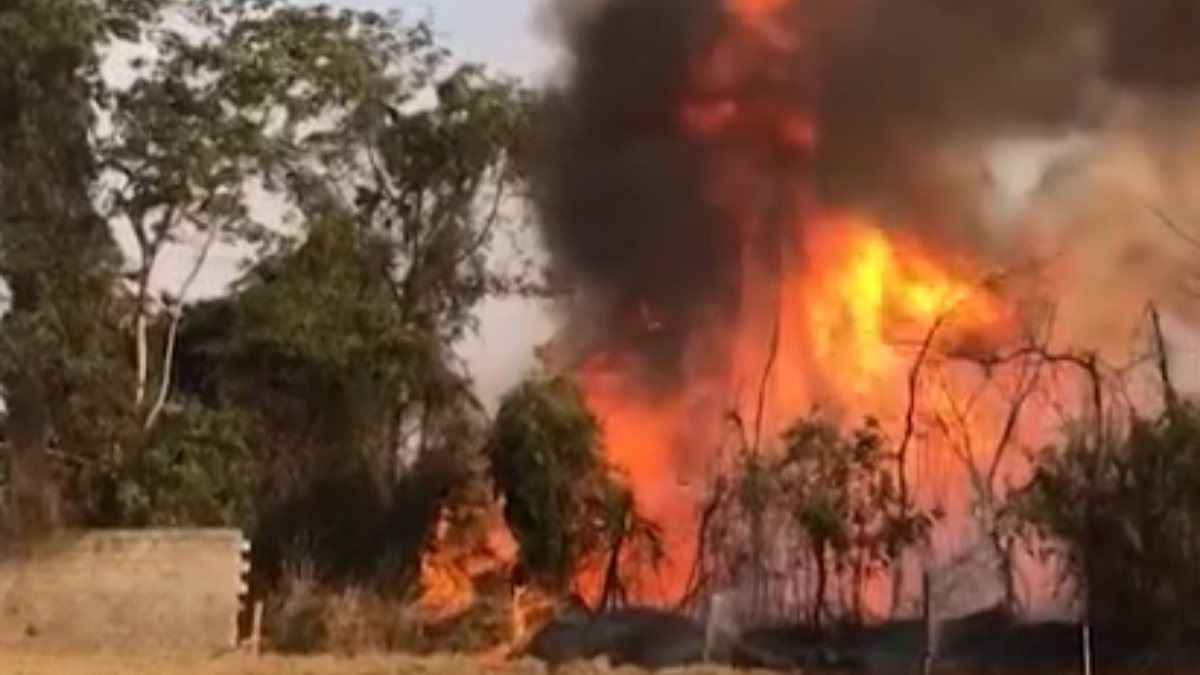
x,y
717,624
256,628
1086,629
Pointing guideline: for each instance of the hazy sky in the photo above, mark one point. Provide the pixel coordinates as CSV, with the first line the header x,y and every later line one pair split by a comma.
x,y
501,33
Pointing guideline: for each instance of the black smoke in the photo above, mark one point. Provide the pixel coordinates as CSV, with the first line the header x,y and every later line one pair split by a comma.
x,y
907,95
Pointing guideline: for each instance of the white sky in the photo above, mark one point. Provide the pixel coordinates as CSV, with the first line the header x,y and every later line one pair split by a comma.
x,y
501,33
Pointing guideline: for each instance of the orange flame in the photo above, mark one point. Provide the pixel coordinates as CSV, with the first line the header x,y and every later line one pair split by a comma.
x,y
452,564
838,323
452,567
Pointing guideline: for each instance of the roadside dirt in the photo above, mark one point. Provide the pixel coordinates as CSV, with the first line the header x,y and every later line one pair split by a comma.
x,y
29,663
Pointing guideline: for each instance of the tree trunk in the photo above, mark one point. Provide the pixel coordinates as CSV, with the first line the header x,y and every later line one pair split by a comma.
x,y
822,584
49,227
613,590
33,490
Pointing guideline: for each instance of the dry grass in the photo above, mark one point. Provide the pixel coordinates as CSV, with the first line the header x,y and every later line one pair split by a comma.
x,y
30,663
303,617
33,663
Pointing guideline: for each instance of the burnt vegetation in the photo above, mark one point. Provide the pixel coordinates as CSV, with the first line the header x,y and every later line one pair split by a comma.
x,y
320,401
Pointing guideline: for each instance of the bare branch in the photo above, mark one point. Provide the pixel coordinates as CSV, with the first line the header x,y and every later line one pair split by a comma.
x,y
768,367
1187,237
168,361
1025,389
910,413
1170,394
164,387
489,225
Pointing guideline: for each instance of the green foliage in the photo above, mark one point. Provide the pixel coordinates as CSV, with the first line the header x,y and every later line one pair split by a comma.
x,y
844,497
329,375
197,470
822,511
342,349
326,305
545,456
568,509
1123,515
59,342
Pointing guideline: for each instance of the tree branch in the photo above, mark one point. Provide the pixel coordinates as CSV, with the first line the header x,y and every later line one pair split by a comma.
x,y
176,312
768,367
1170,394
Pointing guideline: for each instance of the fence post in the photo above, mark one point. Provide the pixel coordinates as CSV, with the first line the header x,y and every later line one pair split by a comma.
x,y
717,624
930,624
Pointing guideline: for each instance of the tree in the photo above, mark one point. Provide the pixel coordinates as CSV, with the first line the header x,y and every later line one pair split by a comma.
x,y
342,349
354,124
545,453
1121,513
625,543
571,513
843,496
56,255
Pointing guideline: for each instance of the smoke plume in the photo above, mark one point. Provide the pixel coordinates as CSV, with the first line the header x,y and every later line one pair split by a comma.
x,y
907,100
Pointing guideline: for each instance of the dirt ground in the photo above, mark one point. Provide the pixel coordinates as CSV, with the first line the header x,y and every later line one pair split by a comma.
x,y
26,663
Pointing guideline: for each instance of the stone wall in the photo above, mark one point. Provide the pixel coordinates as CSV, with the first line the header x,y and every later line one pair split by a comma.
x,y
145,590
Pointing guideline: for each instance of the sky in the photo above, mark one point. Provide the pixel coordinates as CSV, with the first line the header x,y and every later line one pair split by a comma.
x,y
503,34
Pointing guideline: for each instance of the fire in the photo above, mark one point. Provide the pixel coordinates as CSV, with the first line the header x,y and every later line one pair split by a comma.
x,y
530,610
447,589
831,315
452,564
875,294
848,328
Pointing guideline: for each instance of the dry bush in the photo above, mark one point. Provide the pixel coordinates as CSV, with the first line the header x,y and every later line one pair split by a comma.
x,y
293,617
304,617
485,625
357,621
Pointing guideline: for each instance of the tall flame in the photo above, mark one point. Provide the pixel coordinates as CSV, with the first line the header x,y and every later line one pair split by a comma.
x,y
830,316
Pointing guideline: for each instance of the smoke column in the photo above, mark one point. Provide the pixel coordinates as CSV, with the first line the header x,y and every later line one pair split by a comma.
x,y
909,96
890,110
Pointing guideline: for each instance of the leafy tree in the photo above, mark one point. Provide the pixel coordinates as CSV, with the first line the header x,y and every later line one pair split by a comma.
x,y
545,454
342,349
1121,511
56,254
396,171
569,510
822,497
199,471
627,546
310,347
843,495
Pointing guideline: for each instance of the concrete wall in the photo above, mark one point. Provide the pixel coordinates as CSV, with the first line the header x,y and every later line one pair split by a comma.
x,y
147,590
